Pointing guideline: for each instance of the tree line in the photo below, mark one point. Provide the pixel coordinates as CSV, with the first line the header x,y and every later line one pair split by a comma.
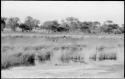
x,y
70,24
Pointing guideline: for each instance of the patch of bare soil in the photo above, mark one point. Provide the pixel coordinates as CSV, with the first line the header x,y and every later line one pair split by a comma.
x,y
74,70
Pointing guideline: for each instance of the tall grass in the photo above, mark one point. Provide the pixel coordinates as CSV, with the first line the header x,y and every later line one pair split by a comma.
x,y
8,60
105,53
55,55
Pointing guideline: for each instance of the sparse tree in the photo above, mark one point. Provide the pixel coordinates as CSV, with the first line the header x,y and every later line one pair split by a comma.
x,y
51,25
31,22
13,23
36,23
64,27
86,27
73,23
110,27
94,28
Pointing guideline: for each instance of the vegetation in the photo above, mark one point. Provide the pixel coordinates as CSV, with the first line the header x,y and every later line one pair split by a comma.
x,y
27,50
70,24
3,23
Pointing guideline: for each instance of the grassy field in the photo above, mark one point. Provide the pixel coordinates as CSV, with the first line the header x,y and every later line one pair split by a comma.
x,y
60,50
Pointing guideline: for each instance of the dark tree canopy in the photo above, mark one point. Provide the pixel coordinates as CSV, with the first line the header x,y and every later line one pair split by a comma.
x,y
2,24
69,24
25,27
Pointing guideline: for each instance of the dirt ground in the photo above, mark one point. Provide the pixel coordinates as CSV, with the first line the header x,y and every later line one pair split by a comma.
x,y
74,70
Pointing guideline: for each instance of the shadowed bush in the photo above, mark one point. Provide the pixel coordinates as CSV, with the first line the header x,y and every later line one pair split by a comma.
x,y
46,56
103,56
67,54
111,56
105,53
9,60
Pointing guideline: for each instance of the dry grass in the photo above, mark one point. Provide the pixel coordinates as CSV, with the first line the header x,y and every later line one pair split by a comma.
x,y
17,59
18,50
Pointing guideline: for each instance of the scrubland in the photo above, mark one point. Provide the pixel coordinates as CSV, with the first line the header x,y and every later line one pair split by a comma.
x,y
54,55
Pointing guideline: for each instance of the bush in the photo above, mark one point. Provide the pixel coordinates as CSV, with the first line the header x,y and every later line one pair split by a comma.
x,y
9,60
44,56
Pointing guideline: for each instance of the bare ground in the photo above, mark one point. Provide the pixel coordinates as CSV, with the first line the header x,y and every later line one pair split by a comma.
x,y
67,71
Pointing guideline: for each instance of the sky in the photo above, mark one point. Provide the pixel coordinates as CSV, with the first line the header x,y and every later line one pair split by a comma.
x,y
57,10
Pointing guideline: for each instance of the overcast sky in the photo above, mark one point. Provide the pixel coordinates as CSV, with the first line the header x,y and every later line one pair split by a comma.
x,y
57,10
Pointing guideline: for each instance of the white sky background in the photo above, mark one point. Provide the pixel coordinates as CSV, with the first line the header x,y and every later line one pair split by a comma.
x,y
57,10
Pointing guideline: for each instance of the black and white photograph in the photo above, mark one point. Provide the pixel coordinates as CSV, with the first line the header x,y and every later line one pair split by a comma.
x,y
62,39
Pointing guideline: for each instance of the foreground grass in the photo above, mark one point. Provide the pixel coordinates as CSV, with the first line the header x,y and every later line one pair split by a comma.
x,y
22,50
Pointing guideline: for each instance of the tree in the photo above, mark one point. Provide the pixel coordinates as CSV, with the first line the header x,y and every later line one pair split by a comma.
x,y
86,27
117,31
3,23
110,27
73,23
51,25
36,23
24,27
31,22
94,28
122,28
13,23
63,27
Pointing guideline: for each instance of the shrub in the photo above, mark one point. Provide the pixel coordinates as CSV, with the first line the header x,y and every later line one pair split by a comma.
x,y
44,56
9,60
